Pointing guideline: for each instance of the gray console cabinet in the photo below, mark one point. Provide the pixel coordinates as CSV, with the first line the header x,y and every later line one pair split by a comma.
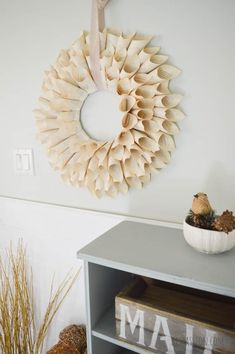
x,y
153,251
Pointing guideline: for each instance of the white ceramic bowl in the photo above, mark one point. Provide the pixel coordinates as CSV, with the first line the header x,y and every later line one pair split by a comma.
x,y
208,241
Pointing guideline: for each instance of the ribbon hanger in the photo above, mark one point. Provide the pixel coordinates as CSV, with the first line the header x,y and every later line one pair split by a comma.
x,y
97,25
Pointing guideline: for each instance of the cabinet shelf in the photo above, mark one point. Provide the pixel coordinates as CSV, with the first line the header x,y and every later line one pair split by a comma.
x,y
153,251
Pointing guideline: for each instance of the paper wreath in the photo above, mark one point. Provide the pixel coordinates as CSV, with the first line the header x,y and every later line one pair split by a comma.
x,y
139,75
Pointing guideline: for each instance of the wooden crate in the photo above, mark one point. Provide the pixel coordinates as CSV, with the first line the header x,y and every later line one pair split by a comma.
x,y
174,319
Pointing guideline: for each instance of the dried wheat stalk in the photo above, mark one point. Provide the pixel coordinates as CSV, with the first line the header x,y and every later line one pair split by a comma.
x,y
19,332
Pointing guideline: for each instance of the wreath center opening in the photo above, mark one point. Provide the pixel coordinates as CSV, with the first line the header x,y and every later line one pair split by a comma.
x,y
100,115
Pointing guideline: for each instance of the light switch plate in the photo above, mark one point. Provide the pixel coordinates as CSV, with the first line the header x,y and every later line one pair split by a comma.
x,y
23,162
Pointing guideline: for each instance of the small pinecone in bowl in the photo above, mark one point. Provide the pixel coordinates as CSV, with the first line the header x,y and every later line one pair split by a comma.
x,y
201,221
225,222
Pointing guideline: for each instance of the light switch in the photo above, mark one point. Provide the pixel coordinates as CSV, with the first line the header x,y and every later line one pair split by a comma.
x,y
23,162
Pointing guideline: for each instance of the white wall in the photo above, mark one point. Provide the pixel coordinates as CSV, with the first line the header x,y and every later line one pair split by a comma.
x,y
199,38
53,235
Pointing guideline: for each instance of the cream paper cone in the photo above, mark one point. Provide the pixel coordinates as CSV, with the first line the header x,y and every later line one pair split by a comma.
x,y
167,101
79,43
145,142
125,139
117,152
123,87
115,171
68,91
166,126
172,114
129,121
163,155
134,182
166,142
112,73
145,91
138,80
152,63
138,43
119,58
107,57
84,80
126,104
61,104
163,73
144,104
122,187
124,41
147,53
143,113
79,60
130,66
112,38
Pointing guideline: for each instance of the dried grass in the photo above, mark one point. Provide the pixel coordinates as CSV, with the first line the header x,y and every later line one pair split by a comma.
x,y
19,332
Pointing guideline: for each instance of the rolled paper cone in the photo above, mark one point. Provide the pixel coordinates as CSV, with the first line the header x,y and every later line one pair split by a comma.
x,y
124,138
79,43
112,73
144,103
65,105
69,91
130,67
146,53
116,172
129,121
68,116
167,101
138,43
64,74
119,58
122,187
123,87
157,163
132,166
86,53
148,155
145,179
162,87
172,114
48,124
112,85
99,185
126,103
138,80
112,38
117,152
164,73
112,191
150,126
107,57
145,142
166,142
93,164
145,91
50,95
139,125
134,182
102,153
85,81
164,156
63,58
166,126
152,63
62,146
127,153
79,60
124,41
143,113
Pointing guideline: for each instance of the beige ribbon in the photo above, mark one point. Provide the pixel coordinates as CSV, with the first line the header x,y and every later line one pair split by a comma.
x,y
97,25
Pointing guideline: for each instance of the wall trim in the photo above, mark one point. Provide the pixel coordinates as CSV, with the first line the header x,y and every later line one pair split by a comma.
x,y
94,211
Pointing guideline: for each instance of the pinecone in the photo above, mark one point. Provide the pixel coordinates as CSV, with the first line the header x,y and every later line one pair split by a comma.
x,y
201,221
225,222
